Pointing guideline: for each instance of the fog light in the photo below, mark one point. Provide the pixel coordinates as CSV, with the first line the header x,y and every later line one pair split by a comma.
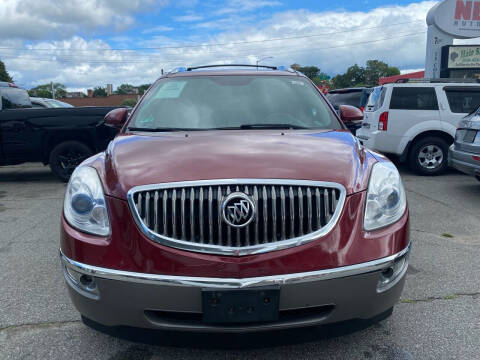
x,y
82,283
392,274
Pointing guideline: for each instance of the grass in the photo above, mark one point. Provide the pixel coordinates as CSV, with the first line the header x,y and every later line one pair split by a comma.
x,y
447,235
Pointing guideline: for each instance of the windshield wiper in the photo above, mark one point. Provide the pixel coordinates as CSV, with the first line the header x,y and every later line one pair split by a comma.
x,y
271,126
159,129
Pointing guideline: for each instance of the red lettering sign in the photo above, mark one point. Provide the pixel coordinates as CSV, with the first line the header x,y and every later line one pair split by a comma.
x,y
476,11
463,10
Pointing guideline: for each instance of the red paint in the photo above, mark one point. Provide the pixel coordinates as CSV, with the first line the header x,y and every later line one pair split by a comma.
x,y
350,113
127,249
132,160
476,157
463,10
116,118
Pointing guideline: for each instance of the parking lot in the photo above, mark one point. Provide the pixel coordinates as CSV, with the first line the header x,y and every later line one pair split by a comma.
x,y
437,317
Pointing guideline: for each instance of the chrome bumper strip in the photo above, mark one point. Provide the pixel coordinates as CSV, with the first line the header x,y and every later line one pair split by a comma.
x,y
232,283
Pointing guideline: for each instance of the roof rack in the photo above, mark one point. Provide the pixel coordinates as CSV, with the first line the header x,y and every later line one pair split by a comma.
x,y
437,80
232,65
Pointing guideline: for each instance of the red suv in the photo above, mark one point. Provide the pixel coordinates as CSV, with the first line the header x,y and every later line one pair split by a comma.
x,y
234,199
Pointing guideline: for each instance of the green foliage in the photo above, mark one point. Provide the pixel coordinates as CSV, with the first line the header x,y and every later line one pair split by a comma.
x,y
99,91
142,88
45,91
125,89
376,69
4,75
312,72
129,102
364,76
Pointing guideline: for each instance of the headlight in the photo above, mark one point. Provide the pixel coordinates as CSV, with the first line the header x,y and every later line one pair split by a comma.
x,y
84,206
386,199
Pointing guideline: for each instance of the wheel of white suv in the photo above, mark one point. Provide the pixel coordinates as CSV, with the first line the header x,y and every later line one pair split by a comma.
x,y
429,156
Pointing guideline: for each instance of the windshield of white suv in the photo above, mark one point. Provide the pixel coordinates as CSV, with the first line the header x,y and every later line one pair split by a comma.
x,y
233,102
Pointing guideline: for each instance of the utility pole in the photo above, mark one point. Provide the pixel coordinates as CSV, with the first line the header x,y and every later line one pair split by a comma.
x,y
52,89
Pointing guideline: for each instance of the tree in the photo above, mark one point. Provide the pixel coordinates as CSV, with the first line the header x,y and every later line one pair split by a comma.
x,y
126,89
4,75
143,88
129,102
376,69
354,76
364,76
45,91
99,91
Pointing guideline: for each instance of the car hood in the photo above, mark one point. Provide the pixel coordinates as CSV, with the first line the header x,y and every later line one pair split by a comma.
x,y
141,159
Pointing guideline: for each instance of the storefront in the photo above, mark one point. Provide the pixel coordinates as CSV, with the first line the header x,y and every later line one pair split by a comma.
x,y
460,62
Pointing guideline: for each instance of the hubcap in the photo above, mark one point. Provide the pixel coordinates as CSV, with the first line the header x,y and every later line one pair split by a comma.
x,y
430,157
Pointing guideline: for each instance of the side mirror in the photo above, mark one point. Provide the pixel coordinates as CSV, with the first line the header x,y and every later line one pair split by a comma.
x,y
350,113
116,118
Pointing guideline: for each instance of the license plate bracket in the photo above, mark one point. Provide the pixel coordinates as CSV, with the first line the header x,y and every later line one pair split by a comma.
x,y
240,305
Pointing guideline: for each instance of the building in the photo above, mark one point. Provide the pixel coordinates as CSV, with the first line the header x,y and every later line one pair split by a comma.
x,y
75,94
391,79
112,100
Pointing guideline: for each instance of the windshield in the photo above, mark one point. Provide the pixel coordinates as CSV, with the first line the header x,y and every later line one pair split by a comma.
x,y
375,101
222,102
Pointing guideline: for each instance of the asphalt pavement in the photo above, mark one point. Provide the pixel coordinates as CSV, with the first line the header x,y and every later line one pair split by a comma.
x,y
438,316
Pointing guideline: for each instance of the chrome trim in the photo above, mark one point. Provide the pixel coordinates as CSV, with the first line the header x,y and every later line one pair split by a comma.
x,y
231,250
170,280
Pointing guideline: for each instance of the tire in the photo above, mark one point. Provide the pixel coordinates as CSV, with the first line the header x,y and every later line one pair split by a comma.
x,y
429,156
66,156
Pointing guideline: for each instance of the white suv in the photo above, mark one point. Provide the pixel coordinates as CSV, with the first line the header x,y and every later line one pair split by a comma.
x,y
417,120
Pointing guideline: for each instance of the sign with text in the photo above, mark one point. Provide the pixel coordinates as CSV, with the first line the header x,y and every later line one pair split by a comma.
x,y
464,57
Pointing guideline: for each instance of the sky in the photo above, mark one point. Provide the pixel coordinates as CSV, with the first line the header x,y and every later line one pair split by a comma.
x,y
88,43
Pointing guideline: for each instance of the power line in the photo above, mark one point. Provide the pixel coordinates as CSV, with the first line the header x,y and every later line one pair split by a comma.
x,y
68,58
213,44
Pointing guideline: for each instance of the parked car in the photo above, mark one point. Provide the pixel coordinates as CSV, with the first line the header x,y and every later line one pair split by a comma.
x,y
61,137
357,97
464,154
417,120
234,200
42,103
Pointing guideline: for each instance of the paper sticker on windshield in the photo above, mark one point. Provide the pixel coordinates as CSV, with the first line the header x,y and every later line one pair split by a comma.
x,y
171,90
295,82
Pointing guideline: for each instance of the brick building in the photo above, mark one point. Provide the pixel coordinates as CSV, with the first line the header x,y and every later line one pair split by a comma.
x,y
112,100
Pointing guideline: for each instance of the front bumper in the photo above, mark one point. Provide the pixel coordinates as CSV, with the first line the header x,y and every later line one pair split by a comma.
x,y
113,297
464,161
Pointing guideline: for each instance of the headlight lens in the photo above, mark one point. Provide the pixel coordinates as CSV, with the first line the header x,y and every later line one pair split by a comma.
x,y
84,206
386,199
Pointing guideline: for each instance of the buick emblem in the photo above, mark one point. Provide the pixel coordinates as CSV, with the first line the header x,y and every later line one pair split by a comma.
x,y
238,210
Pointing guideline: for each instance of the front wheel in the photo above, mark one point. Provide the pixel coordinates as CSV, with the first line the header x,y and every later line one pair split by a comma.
x,y
66,156
429,156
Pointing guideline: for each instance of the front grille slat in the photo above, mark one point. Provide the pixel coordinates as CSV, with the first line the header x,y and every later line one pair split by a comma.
x,y
282,205
274,214
182,212
210,215
165,211
193,214
300,211
201,218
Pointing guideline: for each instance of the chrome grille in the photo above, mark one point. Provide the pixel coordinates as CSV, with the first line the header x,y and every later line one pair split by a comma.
x,y
188,215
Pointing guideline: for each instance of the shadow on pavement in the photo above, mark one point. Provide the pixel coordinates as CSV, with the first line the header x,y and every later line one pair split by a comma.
x,y
27,174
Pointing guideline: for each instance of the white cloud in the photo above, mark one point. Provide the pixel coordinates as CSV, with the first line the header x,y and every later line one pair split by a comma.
x,y
157,29
36,20
236,6
188,18
331,40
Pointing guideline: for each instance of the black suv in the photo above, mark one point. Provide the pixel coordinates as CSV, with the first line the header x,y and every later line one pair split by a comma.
x,y
357,97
